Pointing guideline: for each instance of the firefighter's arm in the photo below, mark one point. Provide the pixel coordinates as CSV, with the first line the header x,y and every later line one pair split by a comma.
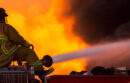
x,y
16,38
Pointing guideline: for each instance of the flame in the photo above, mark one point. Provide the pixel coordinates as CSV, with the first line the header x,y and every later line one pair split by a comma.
x,y
42,24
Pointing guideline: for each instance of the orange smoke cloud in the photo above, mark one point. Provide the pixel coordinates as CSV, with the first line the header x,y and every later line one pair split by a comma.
x,y
41,23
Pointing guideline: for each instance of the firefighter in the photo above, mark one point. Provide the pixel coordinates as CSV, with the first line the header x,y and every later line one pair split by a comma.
x,y
15,47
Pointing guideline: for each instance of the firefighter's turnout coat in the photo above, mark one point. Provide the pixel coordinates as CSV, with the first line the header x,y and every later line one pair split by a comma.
x,y
15,47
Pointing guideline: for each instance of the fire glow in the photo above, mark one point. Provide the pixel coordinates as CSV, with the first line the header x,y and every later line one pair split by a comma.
x,y
41,23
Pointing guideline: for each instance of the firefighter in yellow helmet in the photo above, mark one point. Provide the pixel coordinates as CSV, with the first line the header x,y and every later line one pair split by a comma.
x,y
15,47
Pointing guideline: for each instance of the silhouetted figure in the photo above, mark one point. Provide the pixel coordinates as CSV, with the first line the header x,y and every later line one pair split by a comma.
x,y
15,47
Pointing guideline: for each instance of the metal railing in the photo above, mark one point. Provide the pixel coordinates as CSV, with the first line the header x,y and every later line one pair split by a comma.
x,y
13,77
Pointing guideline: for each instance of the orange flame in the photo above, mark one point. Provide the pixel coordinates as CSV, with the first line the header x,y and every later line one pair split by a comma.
x,y
41,23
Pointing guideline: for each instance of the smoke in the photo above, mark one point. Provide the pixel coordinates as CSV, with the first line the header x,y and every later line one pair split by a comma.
x,y
115,54
98,20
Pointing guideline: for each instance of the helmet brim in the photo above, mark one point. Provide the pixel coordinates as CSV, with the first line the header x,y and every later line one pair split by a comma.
x,y
3,15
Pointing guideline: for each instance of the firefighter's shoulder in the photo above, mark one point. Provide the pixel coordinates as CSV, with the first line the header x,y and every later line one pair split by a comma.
x,y
10,27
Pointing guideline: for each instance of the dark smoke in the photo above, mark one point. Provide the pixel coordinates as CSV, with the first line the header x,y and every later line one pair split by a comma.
x,y
98,20
74,6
